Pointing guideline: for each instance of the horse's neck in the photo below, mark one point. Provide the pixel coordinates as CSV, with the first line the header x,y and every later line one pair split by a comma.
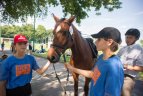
x,y
79,46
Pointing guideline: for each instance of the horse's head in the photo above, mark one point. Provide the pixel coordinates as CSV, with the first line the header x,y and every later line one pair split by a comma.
x,y
62,38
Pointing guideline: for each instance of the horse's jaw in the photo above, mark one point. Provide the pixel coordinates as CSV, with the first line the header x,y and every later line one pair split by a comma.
x,y
52,59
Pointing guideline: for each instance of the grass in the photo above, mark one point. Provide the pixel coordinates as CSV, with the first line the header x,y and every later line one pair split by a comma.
x,y
44,55
140,76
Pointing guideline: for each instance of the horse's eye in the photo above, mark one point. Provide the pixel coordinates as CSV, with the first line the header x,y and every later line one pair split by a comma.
x,y
65,33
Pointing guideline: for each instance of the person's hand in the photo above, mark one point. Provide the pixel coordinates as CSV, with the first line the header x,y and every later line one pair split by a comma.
x,y
125,66
67,65
130,68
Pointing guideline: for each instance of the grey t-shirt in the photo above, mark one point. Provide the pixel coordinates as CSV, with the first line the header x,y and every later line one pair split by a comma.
x,y
131,55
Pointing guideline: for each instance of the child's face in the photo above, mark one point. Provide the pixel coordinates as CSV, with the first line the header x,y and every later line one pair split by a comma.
x,y
21,46
130,39
103,44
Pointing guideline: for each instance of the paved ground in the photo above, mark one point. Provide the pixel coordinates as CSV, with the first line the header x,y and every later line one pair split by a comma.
x,y
48,85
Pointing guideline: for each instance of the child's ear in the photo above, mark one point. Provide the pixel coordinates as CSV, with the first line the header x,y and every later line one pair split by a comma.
x,y
110,41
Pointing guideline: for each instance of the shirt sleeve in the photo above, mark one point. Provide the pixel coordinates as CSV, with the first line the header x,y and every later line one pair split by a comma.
x,y
4,70
34,64
120,52
0,70
139,60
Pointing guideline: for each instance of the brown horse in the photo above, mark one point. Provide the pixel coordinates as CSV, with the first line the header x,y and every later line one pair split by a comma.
x,y
67,36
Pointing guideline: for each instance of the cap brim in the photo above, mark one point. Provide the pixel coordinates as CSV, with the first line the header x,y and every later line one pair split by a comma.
x,y
95,35
22,41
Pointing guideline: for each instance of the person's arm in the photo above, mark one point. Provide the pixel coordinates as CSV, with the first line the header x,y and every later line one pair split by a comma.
x,y
41,70
138,66
134,68
3,88
85,73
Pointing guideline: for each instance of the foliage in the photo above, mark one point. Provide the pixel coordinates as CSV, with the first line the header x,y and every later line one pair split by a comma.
x,y
141,41
14,10
41,33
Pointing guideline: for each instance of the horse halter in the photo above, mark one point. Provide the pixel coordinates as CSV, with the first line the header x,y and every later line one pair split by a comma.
x,y
68,36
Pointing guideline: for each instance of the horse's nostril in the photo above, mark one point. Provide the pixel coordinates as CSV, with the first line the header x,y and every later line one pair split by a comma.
x,y
52,58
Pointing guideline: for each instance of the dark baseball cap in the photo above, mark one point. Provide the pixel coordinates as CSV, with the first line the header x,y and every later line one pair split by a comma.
x,y
109,33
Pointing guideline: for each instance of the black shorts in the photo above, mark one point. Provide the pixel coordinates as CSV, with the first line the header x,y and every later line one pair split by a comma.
x,y
20,91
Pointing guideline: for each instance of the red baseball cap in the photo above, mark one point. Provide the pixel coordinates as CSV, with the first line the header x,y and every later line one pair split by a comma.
x,y
20,38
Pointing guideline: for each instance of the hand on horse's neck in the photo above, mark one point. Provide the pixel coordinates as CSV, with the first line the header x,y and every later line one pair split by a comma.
x,y
107,54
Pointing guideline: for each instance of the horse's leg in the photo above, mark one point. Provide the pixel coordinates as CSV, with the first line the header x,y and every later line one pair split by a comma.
x,y
86,86
75,77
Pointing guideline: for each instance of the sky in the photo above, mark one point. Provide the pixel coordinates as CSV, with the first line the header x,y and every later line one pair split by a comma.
x,y
129,16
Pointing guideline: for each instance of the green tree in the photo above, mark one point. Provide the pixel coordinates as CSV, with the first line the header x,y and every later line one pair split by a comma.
x,y
8,31
27,30
14,10
49,35
141,41
40,32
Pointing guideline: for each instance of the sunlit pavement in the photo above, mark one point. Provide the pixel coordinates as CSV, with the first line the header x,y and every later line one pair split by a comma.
x,y
48,85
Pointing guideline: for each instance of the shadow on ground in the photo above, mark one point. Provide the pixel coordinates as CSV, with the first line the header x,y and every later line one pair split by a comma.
x,y
48,85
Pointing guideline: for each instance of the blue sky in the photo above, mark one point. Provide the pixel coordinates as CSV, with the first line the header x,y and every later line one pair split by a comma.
x,y
129,16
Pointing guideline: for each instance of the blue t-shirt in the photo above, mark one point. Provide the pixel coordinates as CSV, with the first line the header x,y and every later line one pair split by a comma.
x,y
108,77
1,61
0,72
18,72
0,68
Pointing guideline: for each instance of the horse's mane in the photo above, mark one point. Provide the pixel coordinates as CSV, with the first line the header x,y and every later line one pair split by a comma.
x,y
80,44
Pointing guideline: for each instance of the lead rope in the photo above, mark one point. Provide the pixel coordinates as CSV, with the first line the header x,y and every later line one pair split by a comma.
x,y
59,80
67,70
64,89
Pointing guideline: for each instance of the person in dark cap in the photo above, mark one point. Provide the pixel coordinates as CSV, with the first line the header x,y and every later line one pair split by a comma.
x,y
107,75
131,57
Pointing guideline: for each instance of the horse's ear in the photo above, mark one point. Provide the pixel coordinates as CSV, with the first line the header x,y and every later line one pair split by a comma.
x,y
71,19
55,18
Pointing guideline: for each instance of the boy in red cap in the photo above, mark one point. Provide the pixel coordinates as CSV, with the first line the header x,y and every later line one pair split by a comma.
x,y
17,70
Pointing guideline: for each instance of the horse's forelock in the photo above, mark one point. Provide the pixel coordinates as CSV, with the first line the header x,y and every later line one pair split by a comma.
x,y
62,19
